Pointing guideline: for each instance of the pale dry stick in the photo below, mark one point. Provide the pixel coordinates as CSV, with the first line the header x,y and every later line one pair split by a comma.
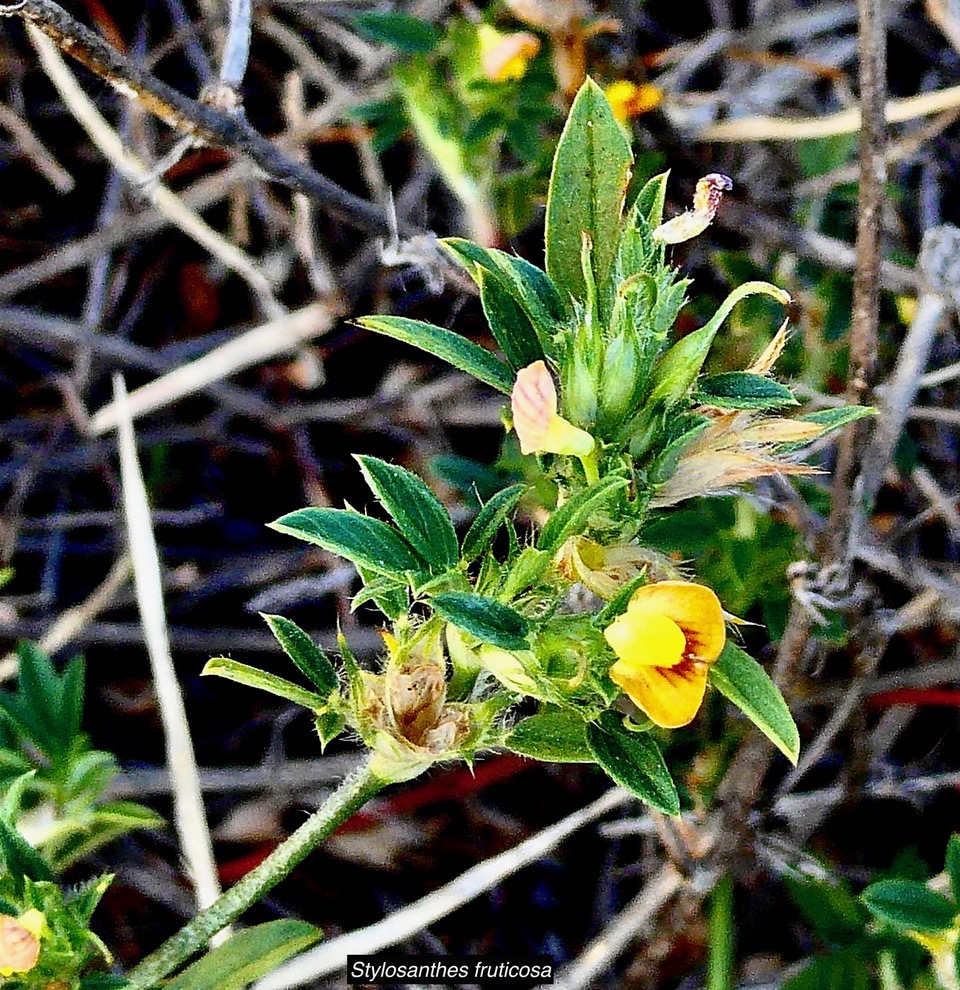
x,y
137,172
936,262
32,147
943,504
935,414
941,376
250,348
820,185
70,622
189,814
236,49
636,917
946,15
845,516
765,128
317,267
403,924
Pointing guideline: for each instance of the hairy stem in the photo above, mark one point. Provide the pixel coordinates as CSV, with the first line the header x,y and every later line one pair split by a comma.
x,y
351,795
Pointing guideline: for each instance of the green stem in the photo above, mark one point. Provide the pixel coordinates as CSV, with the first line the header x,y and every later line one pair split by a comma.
x,y
720,946
351,795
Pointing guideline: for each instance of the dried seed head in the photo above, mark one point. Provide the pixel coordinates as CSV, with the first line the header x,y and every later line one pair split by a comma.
x,y
416,700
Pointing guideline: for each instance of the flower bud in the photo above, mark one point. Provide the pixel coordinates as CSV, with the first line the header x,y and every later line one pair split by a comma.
x,y
539,428
618,383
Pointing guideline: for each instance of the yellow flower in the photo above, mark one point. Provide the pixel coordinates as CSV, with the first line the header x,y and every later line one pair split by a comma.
x,y
505,57
20,942
628,100
706,200
665,642
539,428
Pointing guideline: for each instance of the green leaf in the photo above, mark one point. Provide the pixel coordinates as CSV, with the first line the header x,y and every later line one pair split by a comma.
x,y
573,516
304,653
634,761
743,390
488,520
21,859
508,323
84,900
418,513
651,199
446,345
246,956
952,865
677,370
486,618
391,596
846,969
833,419
253,677
528,286
405,33
588,183
910,905
329,725
743,681
834,913
555,737
368,542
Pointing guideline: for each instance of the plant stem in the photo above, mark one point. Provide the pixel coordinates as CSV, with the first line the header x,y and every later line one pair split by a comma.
x,y
720,944
351,795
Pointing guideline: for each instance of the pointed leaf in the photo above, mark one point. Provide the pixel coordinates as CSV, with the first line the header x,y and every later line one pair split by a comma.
x,y
910,905
573,516
418,513
253,677
529,287
446,345
634,761
554,737
304,653
487,619
743,681
70,709
743,390
588,183
368,542
246,956
508,323
21,859
407,34
677,370
488,520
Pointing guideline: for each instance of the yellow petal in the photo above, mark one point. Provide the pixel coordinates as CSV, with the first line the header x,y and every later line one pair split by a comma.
x,y
33,920
695,608
505,57
19,946
644,638
539,428
627,99
669,696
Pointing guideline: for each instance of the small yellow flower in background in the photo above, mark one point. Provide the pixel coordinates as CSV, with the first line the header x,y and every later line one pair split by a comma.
x,y
20,942
505,57
665,642
539,427
706,200
629,100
